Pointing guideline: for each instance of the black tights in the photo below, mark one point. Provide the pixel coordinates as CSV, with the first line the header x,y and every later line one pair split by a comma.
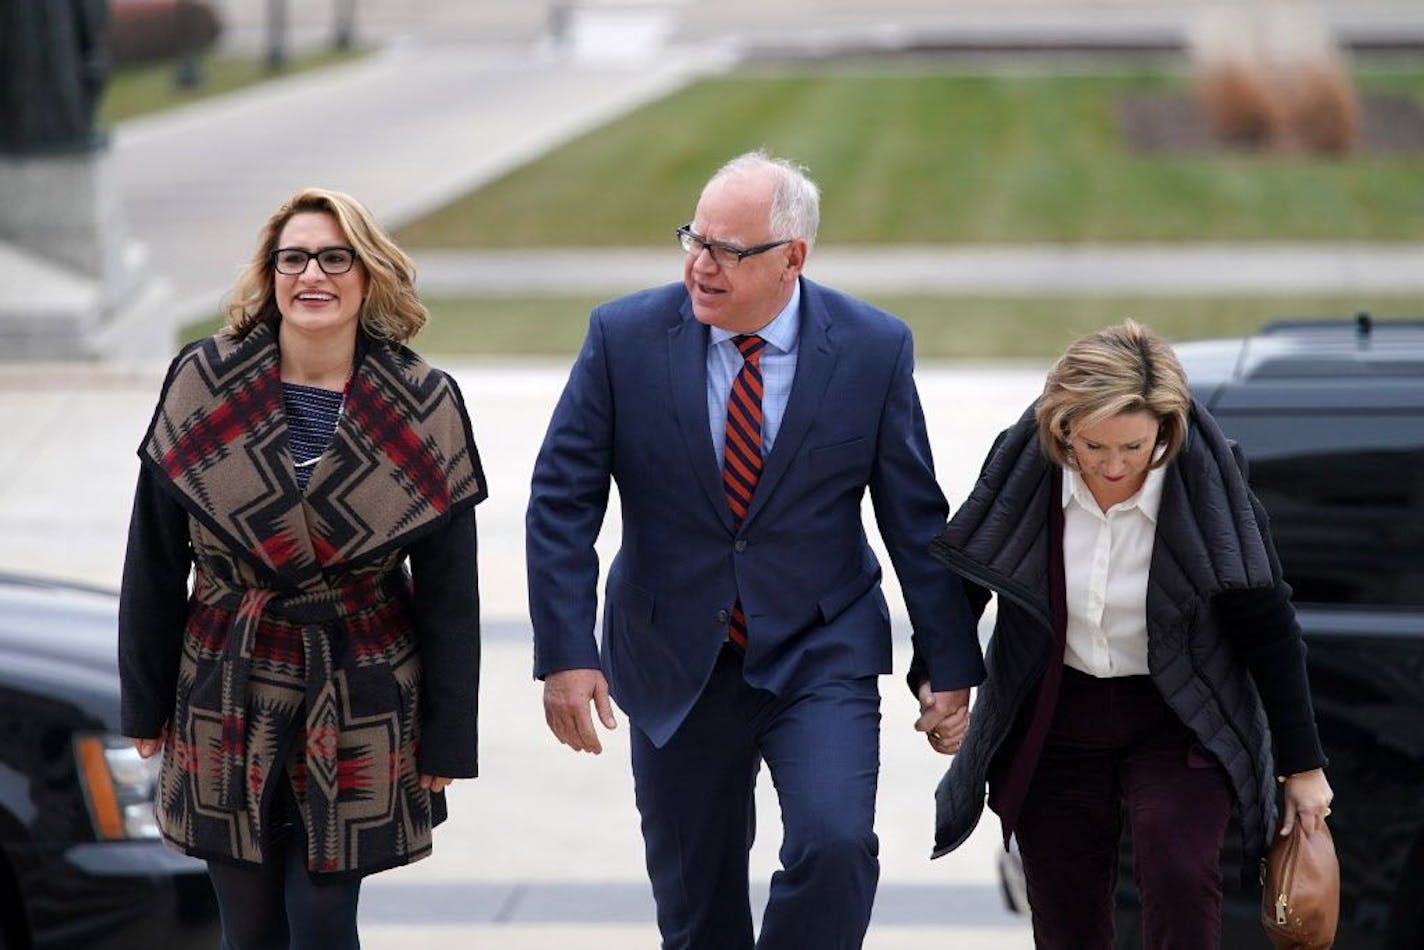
x,y
279,907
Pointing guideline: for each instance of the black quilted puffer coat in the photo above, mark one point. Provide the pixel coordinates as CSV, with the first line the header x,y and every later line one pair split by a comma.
x,y
1212,537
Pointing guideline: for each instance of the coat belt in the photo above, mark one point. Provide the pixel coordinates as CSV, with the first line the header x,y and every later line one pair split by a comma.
x,y
313,612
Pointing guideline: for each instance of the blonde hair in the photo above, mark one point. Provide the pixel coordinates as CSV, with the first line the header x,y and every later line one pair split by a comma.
x,y
1123,368
391,309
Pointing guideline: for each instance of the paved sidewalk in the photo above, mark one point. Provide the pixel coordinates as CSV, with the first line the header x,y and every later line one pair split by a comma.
x,y
1028,270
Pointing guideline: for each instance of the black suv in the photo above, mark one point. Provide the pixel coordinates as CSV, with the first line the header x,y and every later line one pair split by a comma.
x,y
80,860
1330,415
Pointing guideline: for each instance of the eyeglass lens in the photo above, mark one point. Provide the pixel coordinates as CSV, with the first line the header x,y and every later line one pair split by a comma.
x,y
722,256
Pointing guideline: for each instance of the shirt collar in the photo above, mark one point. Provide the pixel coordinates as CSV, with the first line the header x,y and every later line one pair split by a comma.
x,y
781,332
1148,498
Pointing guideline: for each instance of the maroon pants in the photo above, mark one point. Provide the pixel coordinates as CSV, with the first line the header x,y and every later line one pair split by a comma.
x,y
1116,746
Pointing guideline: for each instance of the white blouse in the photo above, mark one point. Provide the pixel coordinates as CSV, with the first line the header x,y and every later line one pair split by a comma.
x,y
1106,556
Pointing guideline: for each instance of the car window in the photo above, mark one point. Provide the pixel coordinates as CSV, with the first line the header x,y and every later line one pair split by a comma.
x,y
1345,491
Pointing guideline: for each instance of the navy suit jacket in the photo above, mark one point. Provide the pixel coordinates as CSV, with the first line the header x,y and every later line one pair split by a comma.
x,y
635,410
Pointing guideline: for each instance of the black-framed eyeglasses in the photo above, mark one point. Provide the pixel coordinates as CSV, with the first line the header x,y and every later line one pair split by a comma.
x,y
293,261
725,255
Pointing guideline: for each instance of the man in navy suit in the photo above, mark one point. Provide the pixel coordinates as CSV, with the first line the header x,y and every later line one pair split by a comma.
x,y
743,414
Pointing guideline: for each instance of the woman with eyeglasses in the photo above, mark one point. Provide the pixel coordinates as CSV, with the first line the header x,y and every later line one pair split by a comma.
x,y
313,691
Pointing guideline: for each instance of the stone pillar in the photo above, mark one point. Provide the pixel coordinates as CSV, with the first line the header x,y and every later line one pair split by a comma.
x,y
69,274
68,269
66,208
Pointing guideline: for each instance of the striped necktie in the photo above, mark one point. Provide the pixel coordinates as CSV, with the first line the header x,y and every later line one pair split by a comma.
x,y
741,463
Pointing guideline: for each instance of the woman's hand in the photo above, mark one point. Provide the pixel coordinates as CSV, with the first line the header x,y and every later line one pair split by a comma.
x,y
434,783
148,748
1307,800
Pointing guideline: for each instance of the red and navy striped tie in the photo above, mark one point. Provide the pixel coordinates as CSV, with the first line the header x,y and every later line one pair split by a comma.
x,y
741,462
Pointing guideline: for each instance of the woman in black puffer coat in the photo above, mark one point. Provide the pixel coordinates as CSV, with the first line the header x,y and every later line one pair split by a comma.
x,y
1146,664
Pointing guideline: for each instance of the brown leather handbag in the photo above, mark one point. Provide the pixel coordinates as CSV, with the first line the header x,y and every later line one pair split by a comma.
x,y
1300,890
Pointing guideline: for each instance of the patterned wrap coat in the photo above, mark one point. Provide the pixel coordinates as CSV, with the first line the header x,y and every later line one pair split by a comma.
x,y
304,649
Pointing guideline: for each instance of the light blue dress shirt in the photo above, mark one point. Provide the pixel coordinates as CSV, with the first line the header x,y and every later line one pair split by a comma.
x,y
778,369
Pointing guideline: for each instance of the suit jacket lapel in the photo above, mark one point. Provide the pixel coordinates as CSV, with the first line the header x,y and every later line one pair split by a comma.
x,y
815,361
687,366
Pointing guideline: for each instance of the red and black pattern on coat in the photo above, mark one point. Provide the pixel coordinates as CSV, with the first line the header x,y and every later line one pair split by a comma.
x,y
300,647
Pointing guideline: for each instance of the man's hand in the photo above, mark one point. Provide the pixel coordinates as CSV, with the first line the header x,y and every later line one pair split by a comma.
x,y
566,698
944,717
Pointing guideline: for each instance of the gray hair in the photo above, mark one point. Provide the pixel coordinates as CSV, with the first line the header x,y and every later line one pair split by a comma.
x,y
795,201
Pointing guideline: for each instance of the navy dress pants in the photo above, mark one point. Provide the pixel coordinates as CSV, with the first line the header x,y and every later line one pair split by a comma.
x,y
1116,747
822,748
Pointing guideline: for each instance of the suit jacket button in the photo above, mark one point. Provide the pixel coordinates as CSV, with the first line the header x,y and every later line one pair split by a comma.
x,y
740,546
723,616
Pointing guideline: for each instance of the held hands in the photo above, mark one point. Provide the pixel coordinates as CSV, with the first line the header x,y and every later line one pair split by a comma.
x,y
1307,800
566,698
944,717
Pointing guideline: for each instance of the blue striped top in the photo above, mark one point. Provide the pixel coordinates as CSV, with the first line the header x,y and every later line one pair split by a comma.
x,y
312,415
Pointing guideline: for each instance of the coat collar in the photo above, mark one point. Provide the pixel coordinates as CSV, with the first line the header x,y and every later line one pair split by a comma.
x,y
687,368
1208,536
402,457
997,538
1147,499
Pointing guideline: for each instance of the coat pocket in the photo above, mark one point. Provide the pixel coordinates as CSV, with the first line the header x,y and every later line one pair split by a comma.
x,y
632,603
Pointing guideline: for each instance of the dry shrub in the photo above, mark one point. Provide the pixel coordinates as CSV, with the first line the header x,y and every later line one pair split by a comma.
x,y
1316,99
1232,84
1322,113
1270,74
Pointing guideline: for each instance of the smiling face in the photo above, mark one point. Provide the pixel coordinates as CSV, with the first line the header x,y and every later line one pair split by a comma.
x,y
1113,456
736,210
314,303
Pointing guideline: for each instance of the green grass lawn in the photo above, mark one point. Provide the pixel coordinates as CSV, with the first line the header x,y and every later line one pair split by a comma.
x,y
137,90
944,327
935,157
